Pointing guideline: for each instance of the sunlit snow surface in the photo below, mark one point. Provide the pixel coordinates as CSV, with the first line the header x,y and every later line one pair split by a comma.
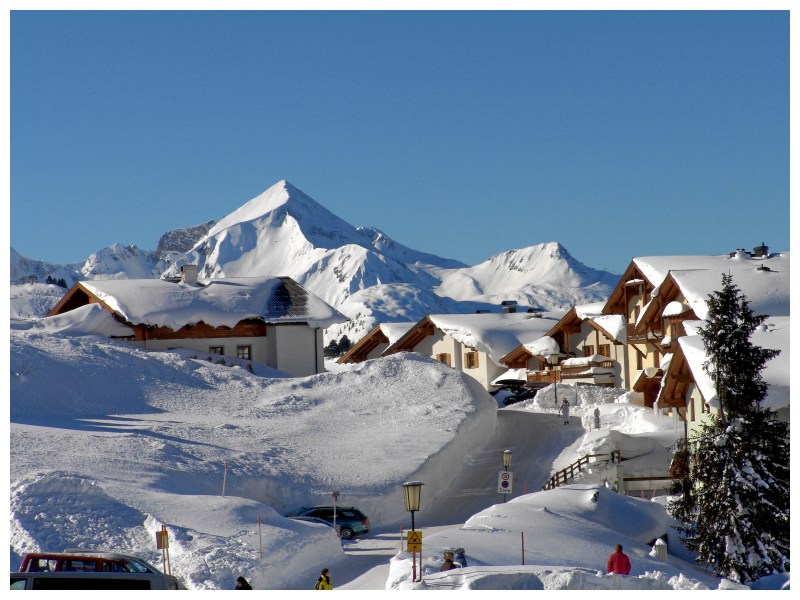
x,y
109,443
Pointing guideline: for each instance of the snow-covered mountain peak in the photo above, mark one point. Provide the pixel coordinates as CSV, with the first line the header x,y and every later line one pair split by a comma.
x,y
282,203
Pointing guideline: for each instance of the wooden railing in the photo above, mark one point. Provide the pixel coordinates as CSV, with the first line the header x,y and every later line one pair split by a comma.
x,y
580,370
543,377
638,334
563,476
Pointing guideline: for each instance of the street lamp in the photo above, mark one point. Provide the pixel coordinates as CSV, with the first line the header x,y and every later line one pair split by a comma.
x,y
507,459
335,496
412,491
554,361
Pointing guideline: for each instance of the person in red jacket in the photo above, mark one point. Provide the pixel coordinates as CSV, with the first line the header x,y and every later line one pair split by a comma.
x,y
618,562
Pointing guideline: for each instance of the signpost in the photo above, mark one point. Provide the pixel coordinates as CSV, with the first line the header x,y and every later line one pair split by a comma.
x,y
162,543
505,482
414,541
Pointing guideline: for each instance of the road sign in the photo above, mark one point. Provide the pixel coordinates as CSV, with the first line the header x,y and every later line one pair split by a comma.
x,y
162,539
505,481
414,541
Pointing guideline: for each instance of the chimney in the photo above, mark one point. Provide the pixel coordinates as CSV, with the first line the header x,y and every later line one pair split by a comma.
x,y
189,274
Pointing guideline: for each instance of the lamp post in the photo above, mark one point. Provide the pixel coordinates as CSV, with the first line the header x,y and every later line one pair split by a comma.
x,y
554,362
335,496
412,491
506,463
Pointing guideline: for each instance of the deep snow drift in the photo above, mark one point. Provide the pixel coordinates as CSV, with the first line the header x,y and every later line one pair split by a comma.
x,y
109,443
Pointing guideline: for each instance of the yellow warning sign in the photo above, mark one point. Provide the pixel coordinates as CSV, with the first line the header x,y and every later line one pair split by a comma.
x,y
414,542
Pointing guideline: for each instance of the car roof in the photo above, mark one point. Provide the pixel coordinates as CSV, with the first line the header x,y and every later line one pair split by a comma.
x,y
82,553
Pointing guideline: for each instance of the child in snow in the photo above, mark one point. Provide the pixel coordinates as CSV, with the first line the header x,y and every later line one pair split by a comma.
x,y
324,581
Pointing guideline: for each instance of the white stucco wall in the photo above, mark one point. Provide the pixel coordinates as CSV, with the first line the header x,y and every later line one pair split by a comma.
x,y
258,346
299,349
295,349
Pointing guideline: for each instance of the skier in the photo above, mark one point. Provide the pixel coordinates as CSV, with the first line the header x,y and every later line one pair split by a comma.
x,y
564,410
618,562
324,581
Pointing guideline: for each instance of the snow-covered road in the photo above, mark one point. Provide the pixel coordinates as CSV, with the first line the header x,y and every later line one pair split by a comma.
x,y
537,440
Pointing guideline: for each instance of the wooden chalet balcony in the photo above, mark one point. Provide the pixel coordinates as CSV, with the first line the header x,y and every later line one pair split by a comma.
x,y
543,377
586,370
642,335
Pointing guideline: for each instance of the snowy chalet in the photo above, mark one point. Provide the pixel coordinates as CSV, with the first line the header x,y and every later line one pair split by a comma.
x,y
473,343
271,321
645,337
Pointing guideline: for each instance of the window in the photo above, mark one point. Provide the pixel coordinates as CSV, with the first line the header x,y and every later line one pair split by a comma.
x,y
444,358
243,352
471,360
588,350
604,350
217,349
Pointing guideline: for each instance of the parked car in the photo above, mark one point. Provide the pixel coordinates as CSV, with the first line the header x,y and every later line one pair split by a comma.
x,y
519,396
514,388
77,569
315,520
349,520
312,520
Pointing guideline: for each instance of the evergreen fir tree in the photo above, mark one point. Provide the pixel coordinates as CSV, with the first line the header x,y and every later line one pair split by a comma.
x,y
736,510
344,344
331,350
734,363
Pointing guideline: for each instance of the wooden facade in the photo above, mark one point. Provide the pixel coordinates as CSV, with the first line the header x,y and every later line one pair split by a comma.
x,y
361,350
243,329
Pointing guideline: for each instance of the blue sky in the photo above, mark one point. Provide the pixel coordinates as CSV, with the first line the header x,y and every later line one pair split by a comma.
x,y
464,134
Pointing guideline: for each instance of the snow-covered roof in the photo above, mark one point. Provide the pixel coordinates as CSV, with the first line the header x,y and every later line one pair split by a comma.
x,y
496,334
543,346
587,311
216,302
394,331
774,334
764,280
615,325
90,319
674,309
511,375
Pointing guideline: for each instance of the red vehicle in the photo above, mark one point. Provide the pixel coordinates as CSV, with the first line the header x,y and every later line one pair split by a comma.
x,y
89,569
85,561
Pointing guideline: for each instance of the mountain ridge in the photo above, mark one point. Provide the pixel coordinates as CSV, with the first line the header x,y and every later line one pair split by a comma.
x,y
360,271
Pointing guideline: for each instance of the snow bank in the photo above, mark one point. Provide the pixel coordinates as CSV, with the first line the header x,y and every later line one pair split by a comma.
x,y
571,530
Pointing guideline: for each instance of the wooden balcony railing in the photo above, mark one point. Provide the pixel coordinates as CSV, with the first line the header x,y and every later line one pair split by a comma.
x,y
543,377
581,370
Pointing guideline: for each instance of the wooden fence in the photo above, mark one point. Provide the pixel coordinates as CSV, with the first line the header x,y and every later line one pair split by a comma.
x,y
563,476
